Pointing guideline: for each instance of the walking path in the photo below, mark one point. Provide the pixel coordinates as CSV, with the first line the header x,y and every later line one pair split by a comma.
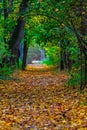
x,y
41,101
39,67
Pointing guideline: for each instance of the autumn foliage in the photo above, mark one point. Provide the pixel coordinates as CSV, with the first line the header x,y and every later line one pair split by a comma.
x,y
40,100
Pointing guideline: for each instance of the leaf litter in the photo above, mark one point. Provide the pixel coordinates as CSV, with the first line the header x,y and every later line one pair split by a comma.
x,y
41,101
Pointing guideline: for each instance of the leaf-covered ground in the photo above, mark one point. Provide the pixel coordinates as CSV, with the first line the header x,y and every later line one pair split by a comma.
x,y
41,101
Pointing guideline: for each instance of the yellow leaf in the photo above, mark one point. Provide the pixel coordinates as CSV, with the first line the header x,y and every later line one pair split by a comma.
x,y
83,12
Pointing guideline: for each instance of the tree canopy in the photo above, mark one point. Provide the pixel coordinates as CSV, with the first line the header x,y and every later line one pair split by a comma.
x,y
60,27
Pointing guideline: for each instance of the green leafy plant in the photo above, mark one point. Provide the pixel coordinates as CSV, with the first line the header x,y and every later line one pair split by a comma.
x,y
74,80
52,56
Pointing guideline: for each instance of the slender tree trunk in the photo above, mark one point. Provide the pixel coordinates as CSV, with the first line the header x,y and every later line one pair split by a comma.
x,y
81,85
61,57
83,31
81,47
64,58
85,70
25,50
68,61
5,17
10,5
5,9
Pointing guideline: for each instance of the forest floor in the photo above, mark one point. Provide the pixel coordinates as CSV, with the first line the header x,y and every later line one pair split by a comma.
x,y
40,100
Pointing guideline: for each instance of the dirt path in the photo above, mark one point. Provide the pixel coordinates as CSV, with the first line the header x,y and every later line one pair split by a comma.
x,y
40,101
39,67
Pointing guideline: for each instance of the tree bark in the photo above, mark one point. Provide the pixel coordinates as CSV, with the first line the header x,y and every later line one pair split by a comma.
x,y
25,50
61,57
10,5
83,31
5,9
5,17
18,32
83,50
16,39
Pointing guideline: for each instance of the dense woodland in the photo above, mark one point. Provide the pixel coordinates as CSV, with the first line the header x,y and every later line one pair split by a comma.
x,y
60,27
54,95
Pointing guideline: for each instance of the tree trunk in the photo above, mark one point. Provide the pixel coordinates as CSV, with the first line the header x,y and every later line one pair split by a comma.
x,y
25,50
81,43
16,40
85,70
18,32
61,59
5,17
81,47
61,55
83,31
10,5
5,9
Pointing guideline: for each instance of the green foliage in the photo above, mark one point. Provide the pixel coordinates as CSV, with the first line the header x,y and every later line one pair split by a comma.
x,y
47,61
53,55
20,64
48,24
3,51
74,79
75,75
6,70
